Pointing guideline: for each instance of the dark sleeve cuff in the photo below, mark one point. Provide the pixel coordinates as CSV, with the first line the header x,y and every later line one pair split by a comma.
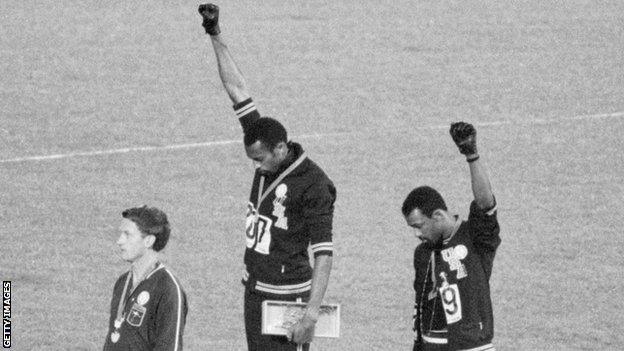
x,y
247,113
324,248
238,105
323,253
476,211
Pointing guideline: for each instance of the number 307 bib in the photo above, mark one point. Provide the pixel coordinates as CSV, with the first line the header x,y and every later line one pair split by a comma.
x,y
451,303
258,231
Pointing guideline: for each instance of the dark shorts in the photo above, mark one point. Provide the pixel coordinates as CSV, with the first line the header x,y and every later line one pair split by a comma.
x,y
253,325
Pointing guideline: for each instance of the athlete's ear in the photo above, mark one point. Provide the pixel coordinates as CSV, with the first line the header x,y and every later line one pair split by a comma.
x,y
438,215
149,241
281,149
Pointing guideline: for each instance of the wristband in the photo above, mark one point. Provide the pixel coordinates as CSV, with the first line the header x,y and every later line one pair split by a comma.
x,y
472,159
214,30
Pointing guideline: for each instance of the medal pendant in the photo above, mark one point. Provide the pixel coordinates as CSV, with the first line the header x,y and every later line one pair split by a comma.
x,y
114,336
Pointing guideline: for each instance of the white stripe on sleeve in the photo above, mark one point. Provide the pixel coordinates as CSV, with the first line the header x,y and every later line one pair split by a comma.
x,y
179,319
326,246
246,109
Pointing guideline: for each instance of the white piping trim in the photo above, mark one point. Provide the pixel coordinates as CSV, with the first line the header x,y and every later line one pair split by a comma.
x,y
488,347
326,246
491,212
284,289
432,340
246,109
160,266
179,319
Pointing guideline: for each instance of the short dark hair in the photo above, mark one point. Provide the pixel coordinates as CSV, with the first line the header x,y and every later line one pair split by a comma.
x,y
424,198
268,131
150,221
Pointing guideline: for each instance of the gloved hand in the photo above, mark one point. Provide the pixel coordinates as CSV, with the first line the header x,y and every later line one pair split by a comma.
x,y
210,14
465,137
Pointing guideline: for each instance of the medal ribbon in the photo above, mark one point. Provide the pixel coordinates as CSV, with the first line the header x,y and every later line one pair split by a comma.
x,y
280,178
122,302
257,214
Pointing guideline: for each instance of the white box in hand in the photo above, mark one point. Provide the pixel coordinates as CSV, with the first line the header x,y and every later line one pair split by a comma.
x,y
278,316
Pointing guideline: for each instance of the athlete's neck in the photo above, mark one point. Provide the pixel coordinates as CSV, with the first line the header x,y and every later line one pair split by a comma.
x,y
452,227
143,266
289,158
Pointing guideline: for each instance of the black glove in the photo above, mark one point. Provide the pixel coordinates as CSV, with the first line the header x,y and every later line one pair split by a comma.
x,y
465,137
210,14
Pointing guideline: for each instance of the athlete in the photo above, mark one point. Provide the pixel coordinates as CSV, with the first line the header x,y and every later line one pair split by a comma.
x,y
148,309
453,262
290,209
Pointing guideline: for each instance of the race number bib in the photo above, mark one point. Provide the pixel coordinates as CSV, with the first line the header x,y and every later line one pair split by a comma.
x,y
258,231
451,303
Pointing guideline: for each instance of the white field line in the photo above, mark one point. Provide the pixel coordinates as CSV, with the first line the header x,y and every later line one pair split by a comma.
x,y
537,121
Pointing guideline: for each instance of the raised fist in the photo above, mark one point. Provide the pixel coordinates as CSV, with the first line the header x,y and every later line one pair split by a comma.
x,y
210,14
465,137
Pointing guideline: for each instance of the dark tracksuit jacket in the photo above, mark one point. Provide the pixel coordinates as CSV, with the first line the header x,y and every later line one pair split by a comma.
x,y
154,314
292,211
452,287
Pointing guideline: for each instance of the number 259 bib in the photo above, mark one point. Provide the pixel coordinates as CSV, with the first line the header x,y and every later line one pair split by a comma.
x,y
451,303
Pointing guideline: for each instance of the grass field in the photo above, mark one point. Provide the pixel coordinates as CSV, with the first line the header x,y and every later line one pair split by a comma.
x,y
369,89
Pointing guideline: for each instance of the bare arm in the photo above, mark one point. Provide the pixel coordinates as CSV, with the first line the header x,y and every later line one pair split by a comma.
x,y
465,136
320,278
231,77
481,188
303,331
